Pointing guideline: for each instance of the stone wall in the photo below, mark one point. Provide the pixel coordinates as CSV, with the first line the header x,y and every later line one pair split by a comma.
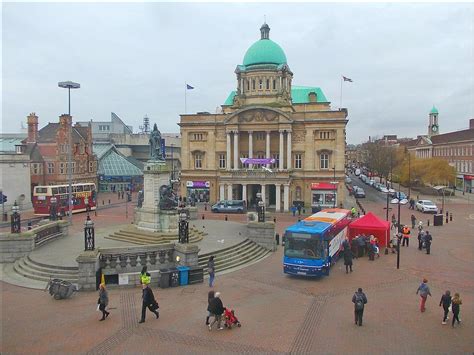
x,y
14,246
263,234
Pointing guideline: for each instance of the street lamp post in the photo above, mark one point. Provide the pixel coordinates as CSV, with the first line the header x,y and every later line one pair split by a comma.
x,y
53,208
260,208
89,234
69,85
15,219
335,187
183,230
398,202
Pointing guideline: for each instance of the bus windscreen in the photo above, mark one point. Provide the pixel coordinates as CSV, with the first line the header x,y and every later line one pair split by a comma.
x,y
300,245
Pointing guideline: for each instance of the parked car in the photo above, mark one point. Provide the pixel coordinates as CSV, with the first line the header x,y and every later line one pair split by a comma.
x,y
229,206
399,195
426,206
348,180
359,193
357,172
371,182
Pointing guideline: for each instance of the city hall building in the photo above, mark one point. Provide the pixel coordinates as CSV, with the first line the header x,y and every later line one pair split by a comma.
x,y
271,136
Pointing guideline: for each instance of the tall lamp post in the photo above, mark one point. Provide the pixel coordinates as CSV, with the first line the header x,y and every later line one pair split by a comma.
x,y
53,209
335,186
15,219
398,202
69,85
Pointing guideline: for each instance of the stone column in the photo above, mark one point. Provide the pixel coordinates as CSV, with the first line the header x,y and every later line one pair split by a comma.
x,y
236,150
278,197
281,160
244,192
288,150
229,191
267,148
286,197
188,254
88,264
250,147
228,158
221,192
263,194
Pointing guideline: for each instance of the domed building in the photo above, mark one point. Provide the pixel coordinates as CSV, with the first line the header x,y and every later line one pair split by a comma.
x,y
272,137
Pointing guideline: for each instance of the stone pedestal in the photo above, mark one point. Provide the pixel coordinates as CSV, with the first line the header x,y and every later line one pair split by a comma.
x,y
188,254
262,233
193,212
149,217
88,263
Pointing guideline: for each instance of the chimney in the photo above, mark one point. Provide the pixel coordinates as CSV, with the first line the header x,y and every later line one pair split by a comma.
x,y
32,121
65,119
471,123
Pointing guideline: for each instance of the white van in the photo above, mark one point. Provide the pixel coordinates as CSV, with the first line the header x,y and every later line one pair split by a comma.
x,y
357,172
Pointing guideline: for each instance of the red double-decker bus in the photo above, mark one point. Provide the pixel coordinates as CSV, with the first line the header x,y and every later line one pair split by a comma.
x,y
83,198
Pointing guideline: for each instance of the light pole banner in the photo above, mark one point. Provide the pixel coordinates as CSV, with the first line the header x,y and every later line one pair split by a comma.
x,y
262,161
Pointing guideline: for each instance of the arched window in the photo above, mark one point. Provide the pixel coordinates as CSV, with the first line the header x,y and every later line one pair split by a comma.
x,y
298,193
260,84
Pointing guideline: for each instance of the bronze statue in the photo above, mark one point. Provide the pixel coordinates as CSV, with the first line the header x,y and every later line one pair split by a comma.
x,y
155,144
168,199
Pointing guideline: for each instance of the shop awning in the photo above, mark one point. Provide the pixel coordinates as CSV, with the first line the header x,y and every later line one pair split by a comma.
x,y
468,177
323,186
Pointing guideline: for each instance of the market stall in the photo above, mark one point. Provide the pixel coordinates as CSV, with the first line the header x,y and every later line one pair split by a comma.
x,y
370,224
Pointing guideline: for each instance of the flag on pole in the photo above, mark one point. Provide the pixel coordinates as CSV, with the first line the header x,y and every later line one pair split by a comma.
x,y
346,79
189,87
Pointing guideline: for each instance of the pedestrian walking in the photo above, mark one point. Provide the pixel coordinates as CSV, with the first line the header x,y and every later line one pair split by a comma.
x,y
211,270
421,237
148,301
359,299
216,308
456,305
394,222
427,241
293,210
145,277
361,245
413,221
406,235
348,259
210,296
420,226
118,195
299,209
424,291
445,302
103,301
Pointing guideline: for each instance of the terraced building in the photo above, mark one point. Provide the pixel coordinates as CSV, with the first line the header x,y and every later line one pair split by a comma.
x,y
266,117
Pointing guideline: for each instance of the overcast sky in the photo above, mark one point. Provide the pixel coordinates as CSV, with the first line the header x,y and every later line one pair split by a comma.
x,y
133,59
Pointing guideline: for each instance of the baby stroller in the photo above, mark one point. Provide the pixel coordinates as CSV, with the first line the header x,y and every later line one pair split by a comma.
x,y
230,318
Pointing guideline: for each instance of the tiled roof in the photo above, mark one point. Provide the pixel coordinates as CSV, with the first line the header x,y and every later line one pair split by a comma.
x,y
115,164
451,137
8,144
47,134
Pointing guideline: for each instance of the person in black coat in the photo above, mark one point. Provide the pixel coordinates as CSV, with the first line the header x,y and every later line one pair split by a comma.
x,y
217,308
445,302
428,238
347,252
148,301
210,296
359,299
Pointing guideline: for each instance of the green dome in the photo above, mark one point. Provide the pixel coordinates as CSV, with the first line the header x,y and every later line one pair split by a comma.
x,y
264,51
434,110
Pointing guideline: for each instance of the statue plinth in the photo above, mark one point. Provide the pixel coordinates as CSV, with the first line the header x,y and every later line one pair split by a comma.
x,y
150,217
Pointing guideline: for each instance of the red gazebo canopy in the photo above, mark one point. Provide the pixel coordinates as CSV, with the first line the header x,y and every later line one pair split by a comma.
x,y
371,224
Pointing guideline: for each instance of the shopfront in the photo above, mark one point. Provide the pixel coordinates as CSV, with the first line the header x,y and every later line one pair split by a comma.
x,y
323,195
198,190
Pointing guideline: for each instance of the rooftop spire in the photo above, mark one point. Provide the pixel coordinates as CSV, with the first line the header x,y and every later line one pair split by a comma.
x,y
265,31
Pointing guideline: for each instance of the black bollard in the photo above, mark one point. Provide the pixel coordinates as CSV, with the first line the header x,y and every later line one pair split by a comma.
x,y
277,238
225,218
428,223
203,216
446,218
274,219
450,217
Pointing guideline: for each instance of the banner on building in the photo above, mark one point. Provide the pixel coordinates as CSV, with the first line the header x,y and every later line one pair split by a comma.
x,y
262,161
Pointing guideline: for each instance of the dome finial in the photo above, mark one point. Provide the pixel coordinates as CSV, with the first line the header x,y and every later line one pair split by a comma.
x,y
265,31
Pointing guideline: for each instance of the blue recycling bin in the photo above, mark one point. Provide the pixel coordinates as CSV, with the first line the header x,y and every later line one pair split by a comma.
x,y
183,275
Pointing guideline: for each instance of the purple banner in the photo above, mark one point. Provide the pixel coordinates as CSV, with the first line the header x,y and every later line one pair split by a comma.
x,y
198,184
262,161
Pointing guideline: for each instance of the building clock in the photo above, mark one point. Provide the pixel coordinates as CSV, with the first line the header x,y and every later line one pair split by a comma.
x,y
434,128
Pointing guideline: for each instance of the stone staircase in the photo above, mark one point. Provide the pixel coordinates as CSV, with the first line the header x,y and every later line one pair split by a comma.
x,y
32,269
136,236
234,256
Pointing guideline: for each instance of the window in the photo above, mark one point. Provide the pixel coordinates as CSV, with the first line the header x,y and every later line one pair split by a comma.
x,y
324,135
260,136
50,168
82,149
245,166
35,168
253,84
298,161
221,161
198,161
268,84
62,169
324,161
274,84
63,148
91,166
260,84
277,161
248,85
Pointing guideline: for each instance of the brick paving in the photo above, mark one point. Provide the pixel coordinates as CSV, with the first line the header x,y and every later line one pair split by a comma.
x,y
279,314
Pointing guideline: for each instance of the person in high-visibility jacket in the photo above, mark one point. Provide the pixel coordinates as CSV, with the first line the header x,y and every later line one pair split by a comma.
x,y
145,277
406,235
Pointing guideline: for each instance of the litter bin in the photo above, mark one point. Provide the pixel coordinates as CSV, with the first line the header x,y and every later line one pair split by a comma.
x,y
174,277
165,278
438,220
196,275
183,275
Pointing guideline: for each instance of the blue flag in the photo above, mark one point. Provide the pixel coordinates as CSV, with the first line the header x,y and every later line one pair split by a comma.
x,y
189,87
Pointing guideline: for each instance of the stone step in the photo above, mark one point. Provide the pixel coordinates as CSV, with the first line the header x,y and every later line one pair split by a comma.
x,y
249,251
52,269
231,255
141,240
247,259
33,261
236,249
39,275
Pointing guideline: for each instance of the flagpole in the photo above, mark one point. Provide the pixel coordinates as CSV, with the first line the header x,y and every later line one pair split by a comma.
x,y
185,108
340,101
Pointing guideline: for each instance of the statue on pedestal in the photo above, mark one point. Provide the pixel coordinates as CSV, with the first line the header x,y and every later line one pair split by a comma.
x,y
168,199
155,145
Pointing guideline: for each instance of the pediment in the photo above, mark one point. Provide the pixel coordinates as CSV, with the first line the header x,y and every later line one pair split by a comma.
x,y
258,115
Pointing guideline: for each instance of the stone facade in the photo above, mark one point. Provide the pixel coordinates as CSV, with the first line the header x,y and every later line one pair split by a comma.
x,y
263,234
15,179
266,117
